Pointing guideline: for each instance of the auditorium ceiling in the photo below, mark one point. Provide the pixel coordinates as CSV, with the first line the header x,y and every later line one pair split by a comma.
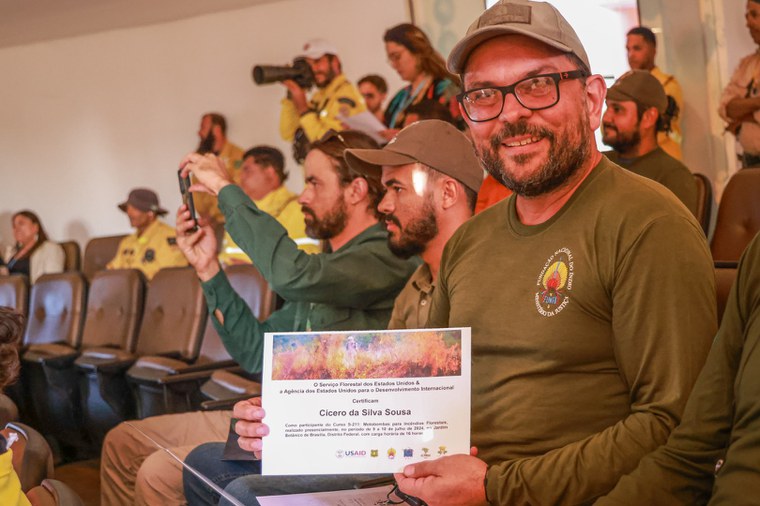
x,y
29,21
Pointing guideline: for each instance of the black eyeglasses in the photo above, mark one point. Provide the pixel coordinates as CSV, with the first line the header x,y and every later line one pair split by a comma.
x,y
402,498
534,93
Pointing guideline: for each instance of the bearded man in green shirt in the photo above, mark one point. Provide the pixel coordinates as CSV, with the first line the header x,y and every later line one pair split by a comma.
x,y
590,291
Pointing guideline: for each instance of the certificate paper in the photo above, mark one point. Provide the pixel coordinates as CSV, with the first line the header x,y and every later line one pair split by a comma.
x,y
362,497
364,402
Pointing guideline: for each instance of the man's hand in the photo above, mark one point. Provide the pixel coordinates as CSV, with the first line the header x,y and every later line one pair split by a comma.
x,y
209,173
249,427
455,480
199,247
297,95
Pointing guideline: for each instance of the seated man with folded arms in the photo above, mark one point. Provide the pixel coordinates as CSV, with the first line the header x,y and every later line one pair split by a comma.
x,y
352,287
262,178
713,456
431,176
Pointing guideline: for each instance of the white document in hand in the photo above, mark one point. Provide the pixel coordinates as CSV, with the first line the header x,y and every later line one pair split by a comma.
x,y
364,402
365,122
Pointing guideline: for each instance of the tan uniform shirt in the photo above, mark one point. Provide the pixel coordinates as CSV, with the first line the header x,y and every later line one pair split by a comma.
x,y
205,203
282,205
745,83
155,249
670,142
339,98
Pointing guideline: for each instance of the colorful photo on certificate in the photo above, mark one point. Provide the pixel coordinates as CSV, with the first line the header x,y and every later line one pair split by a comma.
x,y
367,355
364,401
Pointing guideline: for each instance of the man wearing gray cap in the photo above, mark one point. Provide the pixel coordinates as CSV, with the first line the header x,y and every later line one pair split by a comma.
x,y
153,246
582,358
636,106
304,120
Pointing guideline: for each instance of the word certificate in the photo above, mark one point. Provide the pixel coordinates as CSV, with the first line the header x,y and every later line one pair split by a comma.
x,y
364,401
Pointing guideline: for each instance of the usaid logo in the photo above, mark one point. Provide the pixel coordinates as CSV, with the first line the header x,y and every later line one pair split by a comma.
x,y
355,453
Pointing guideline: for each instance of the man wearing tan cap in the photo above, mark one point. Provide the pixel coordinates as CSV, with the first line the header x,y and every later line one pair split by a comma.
x,y
153,246
582,358
635,112
304,120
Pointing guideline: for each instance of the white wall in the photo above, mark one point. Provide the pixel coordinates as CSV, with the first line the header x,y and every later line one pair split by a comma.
x,y
85,119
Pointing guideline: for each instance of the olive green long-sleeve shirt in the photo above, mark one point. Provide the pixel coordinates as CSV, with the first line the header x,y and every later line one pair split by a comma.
x,y
588,332
352,288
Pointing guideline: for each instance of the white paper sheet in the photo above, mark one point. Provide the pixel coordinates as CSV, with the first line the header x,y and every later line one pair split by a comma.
x,y
365,122
364,402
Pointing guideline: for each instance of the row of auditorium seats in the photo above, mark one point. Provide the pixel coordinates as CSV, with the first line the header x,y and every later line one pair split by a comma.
x,y
122,348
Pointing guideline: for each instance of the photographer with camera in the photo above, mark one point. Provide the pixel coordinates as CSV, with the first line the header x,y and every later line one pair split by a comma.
x,y
303,120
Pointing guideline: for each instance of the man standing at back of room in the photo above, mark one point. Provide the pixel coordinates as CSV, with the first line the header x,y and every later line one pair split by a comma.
x,y
740,102
213,139
582,361
641,46
304,120
636,104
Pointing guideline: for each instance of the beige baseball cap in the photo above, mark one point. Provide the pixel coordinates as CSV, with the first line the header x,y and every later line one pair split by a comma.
x,y
538,20
435,143
639,86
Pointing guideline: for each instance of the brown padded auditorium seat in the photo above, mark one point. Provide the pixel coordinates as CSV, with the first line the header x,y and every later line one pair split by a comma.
x,y
114,309
14,292
172,323
165,385
56,309
704,201
98,252
738,216
73,256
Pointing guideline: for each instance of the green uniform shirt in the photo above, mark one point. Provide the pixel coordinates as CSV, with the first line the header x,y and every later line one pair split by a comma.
x,y
659,166
588,332
352,288
721,420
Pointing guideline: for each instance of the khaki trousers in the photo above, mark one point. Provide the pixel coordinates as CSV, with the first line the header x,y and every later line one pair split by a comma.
x,y
134,471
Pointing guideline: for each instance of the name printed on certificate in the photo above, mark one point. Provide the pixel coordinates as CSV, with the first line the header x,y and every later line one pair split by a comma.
x,y
364,401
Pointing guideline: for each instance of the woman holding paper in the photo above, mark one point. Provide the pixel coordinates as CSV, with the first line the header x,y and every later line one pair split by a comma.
x,y
416,61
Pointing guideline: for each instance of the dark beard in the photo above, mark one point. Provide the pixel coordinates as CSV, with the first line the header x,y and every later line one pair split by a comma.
x,y
414,238
332,224
565,158
624,143
207,144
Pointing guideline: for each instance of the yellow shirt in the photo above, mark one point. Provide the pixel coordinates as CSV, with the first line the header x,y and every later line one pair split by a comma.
x,y
205,203
283,205
10,486
671,142
339,98
155,249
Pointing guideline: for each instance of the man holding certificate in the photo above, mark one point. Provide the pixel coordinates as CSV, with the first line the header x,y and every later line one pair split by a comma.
x,y
590,291
431,176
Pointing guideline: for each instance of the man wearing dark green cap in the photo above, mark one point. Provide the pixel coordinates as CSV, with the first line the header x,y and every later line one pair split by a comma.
x,y
636,106
576,287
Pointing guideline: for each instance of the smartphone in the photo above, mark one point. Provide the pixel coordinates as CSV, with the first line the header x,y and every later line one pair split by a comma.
x,y
187,198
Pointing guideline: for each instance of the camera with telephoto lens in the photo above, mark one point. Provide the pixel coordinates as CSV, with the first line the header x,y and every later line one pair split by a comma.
x,y
300,72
